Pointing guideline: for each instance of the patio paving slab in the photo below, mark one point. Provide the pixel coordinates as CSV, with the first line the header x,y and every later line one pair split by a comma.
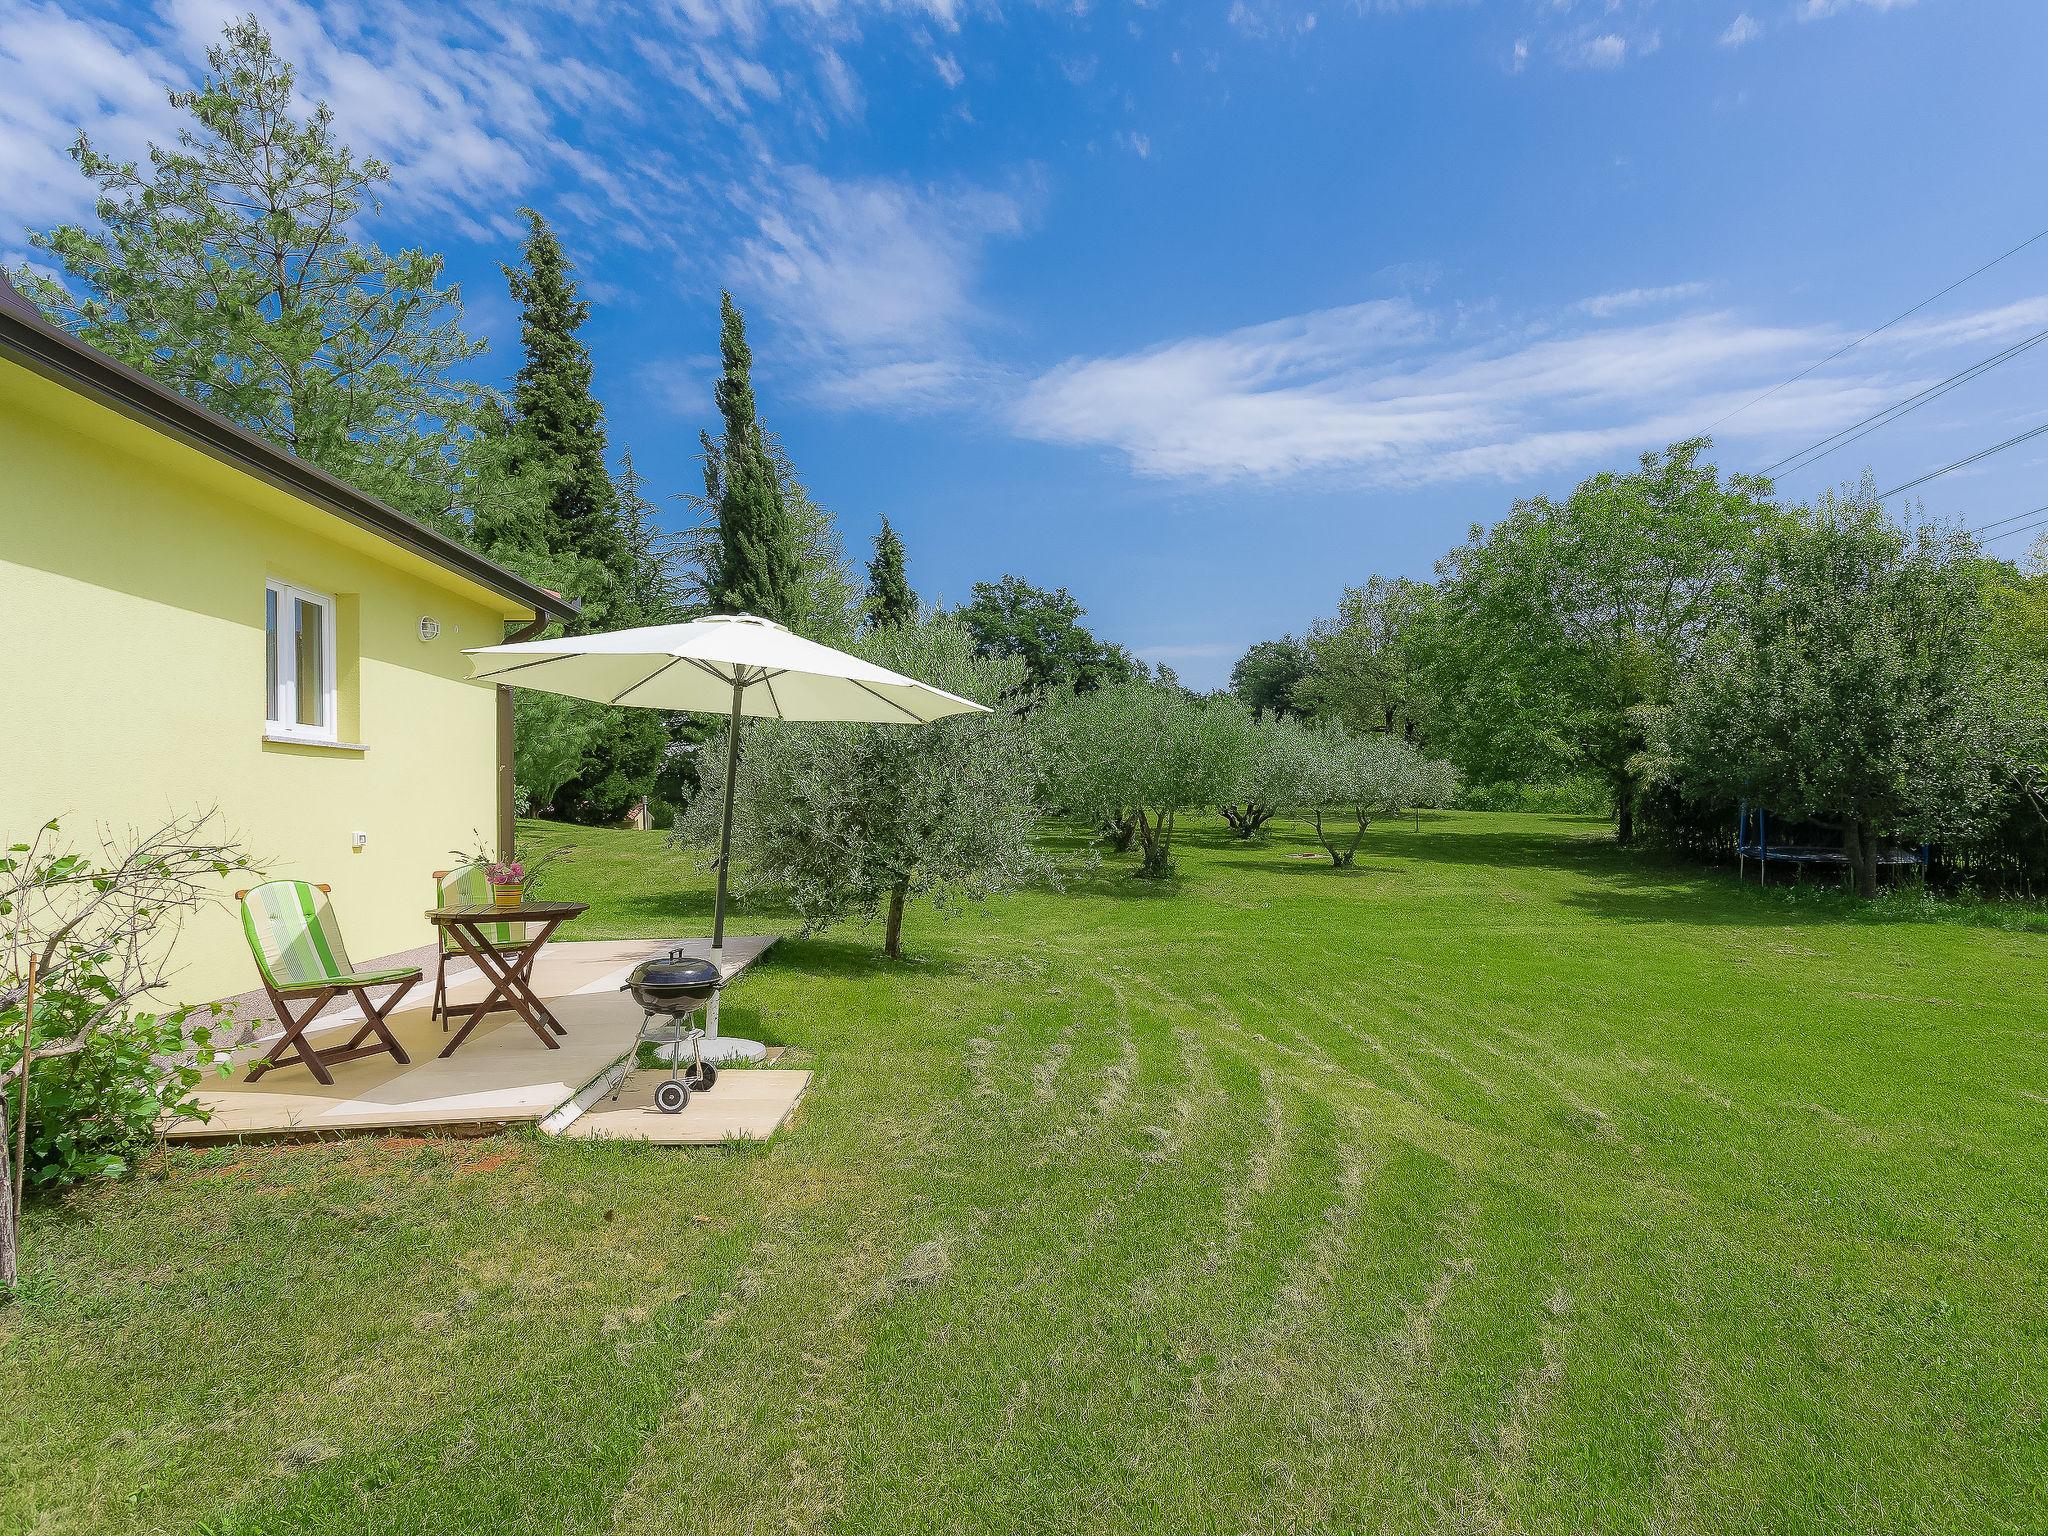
x,y
754,1103
502,1075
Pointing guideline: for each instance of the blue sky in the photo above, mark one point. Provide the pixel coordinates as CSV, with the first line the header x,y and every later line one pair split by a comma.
x,y
1202,311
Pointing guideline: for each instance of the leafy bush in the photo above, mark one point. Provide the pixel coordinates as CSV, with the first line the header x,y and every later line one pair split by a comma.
x,y
93,1112
85,937
1577,795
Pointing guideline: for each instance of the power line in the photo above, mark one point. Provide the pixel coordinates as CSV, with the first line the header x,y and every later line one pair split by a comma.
x,y
2001,522
1895,319
2023,528
1901,408
1981,453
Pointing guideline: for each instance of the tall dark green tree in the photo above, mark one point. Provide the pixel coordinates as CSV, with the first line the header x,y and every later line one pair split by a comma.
x,y
890,600
1268,678
558,422
558,518
757,565
649,592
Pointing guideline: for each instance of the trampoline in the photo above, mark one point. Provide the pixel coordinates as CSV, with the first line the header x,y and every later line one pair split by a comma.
x,y
1798,852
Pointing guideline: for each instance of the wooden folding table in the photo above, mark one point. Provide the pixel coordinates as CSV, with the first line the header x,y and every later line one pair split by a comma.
x,y
509,970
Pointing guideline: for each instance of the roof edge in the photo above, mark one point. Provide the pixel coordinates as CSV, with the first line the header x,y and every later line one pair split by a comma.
x,y
33,341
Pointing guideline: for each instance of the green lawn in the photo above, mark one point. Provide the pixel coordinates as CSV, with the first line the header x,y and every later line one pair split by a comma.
x,y
1508,1183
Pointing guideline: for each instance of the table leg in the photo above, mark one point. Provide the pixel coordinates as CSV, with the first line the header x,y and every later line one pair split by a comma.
x,y
508,977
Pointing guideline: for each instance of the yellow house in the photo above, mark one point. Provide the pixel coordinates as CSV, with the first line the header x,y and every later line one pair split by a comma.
x,y
190,617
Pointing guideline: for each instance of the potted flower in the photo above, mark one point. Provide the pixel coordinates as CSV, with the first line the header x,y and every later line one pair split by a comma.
x,y
508,881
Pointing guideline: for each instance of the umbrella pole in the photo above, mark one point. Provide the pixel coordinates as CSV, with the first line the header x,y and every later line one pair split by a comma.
x,y
732,770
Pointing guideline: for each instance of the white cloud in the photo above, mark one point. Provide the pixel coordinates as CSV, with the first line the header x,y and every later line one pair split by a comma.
x,y
1606,50
1815,10
1137,143
60,75
1743,29
475,108
1388,393
876,277
949,69
1602,305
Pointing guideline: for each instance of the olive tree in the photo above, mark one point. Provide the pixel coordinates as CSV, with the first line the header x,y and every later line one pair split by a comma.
x,y
1365,777
856,821
1844,684
1276,764
1145,752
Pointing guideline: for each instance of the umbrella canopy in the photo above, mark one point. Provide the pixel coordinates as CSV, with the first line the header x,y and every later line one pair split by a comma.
x,y
730,664
700,665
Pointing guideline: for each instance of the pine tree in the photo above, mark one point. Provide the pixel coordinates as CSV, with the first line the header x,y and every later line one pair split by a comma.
x,y
231,267
648,594
890,600
758,562
559,423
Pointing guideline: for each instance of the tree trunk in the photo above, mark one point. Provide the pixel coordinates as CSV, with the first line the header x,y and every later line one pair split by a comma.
x,y
1157,836
1247,822
1625,815
1340,858
1122,829
892,936
10,1225
1860,846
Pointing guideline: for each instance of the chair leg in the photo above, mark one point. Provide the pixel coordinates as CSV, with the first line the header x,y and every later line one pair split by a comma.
x,y
373,1018
295,1038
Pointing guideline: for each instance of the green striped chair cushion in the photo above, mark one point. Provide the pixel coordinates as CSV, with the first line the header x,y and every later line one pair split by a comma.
x,y
470,886
296,941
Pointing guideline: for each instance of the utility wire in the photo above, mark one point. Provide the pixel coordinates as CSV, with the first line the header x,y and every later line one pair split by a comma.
x,y
2023,528
1981,453
2001,522
1813,453
1895,319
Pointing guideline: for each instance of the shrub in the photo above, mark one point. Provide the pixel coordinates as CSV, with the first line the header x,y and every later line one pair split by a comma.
x,y
93,1112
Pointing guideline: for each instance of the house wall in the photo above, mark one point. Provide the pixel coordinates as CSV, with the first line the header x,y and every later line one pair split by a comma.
x,y
132,571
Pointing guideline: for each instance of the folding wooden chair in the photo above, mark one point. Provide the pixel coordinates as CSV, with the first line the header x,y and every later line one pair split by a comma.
x,y
469,886
299,954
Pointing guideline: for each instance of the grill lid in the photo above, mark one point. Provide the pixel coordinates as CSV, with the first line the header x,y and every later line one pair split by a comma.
x,y
675,970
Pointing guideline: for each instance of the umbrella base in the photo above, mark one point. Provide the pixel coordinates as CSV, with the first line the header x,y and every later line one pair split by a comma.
x,y
725,1048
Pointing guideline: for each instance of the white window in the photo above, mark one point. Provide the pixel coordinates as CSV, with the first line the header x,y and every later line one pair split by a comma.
x,y
298,671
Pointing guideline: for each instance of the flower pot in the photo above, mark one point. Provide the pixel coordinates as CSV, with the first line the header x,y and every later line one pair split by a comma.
x,y
508,895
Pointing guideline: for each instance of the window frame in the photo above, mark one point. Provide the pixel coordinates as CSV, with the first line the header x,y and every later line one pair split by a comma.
x,y
279,644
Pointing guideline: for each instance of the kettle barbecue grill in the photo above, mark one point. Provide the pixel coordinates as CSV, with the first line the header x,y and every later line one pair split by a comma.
x,y
671,988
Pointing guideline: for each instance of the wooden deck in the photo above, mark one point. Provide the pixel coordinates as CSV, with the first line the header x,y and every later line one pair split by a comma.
x,y
501,1076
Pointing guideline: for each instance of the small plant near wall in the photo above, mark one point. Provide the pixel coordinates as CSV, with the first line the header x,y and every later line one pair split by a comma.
x,y
86,934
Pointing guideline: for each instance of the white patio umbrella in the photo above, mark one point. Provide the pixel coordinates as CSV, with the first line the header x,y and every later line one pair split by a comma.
x,y
731,664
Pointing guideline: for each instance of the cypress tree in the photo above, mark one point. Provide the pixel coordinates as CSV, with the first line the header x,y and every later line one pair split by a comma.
x,y
759,563
890,600
558,421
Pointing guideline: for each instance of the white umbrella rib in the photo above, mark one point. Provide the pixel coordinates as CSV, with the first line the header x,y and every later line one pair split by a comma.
x,y
911,715
650,677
